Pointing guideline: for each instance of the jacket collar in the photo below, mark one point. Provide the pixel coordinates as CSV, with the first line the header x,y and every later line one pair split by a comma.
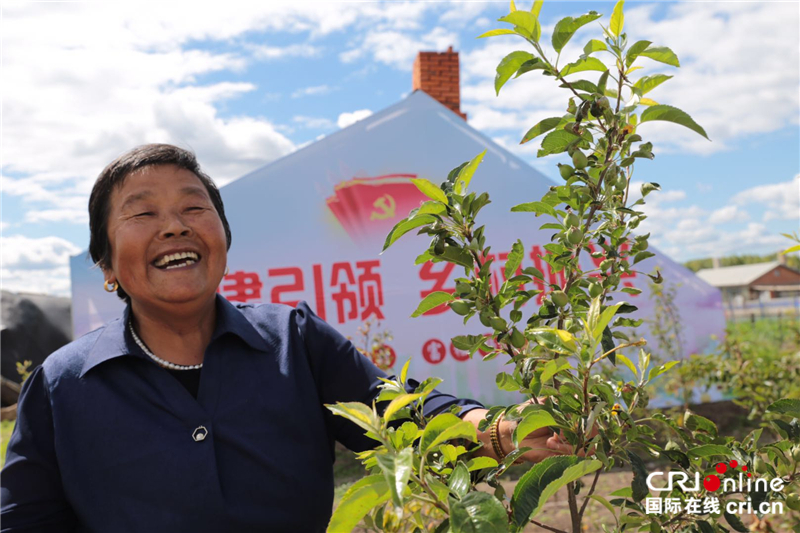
x,y
115,340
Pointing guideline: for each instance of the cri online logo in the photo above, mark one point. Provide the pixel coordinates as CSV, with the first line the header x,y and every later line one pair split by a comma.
x,y
712,482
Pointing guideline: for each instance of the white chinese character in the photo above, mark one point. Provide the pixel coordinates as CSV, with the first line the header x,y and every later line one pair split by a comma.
x,y
652,506
672,505
711,505
693,505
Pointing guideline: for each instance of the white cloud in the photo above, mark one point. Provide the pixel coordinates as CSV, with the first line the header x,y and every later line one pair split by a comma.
x,y
313,122
781,200
280,52
73,216
398,49
346,119
312,91
36,254
729,213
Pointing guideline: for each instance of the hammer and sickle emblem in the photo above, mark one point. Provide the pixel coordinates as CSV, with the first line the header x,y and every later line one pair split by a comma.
x,y
385,206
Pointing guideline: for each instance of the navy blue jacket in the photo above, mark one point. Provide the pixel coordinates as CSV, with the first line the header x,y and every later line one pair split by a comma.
x,y
106,440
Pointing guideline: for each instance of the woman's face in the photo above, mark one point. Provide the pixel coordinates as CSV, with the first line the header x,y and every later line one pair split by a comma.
x,y
167,241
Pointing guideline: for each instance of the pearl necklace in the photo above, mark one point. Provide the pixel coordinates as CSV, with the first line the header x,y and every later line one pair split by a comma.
x,y
154,357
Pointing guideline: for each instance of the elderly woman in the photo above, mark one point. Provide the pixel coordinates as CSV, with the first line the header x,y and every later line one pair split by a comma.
x,y
189,413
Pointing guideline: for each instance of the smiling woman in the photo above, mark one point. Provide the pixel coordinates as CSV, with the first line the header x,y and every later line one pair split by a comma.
x,y
189,412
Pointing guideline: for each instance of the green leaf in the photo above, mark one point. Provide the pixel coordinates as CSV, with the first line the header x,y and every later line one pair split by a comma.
x,y
556,142
639,490
494,33
641,256
457,255
627,362
536,8
527,22
551,368
404,226
542,126
532,422
645,84
545,479
465,175
657,371
708,450
634,51
509,65
604,320
671,114
533,64
661,54
590,63
790,250
478,512
404,371
582,85
696,422
566,28
357,413
444,427
396,471
459,480
534,207
479,463
398,403
512,7
366,494
735,522
434,299
514,259
594,46
430,190
785,406
617,19
555,340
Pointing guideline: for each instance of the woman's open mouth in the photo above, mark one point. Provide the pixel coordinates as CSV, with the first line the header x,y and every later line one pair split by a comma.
x,y
177,260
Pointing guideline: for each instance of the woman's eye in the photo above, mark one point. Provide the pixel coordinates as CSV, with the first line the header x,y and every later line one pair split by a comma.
x,y
195,208
145,214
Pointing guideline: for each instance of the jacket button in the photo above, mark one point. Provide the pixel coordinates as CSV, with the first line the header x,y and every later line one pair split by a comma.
x,y
200,434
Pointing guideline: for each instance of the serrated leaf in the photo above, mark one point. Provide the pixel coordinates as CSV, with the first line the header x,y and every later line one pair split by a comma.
x,y
530,423
582,85
551,368
594,46
661,54
509,65
648,102
478,512
639,490
534,207
634,51
556,142
494,33
671,114
514,258
479,463
444,427
357,413
526,21
566,28
735,522
545,479
398,403
590,63
657,371
396,470
465,174
708,450
430,190
366,494
434,299
555,340
645,84
457,255
533,64
542,126
459,480
785,406
617,19
696,422
536,8
404,226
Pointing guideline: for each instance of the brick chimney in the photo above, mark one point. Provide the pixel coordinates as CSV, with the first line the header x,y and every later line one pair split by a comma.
x,y
436,73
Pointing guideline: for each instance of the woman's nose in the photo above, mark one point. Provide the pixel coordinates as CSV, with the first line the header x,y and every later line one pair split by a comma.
x,y
174,225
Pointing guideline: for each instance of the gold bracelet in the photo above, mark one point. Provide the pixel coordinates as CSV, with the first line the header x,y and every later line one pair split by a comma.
x,y
495,437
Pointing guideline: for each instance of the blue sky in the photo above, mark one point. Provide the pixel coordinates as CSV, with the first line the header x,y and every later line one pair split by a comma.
x,y
246,83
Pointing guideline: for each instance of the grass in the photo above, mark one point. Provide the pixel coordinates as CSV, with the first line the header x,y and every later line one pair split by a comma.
x,y
6,427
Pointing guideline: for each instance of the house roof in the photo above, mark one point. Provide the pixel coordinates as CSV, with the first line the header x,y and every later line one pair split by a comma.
x,y
735,276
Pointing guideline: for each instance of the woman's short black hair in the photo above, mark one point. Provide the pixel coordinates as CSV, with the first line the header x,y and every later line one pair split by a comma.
x,y
114,175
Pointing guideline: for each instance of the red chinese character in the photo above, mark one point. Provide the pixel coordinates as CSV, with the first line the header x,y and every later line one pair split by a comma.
x,y
439,277
244,286
370,289
434,351
554,278
319,291
458,355
343,295
278,290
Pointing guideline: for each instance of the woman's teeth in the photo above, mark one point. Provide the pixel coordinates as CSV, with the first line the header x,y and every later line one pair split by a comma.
x,y
185,258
